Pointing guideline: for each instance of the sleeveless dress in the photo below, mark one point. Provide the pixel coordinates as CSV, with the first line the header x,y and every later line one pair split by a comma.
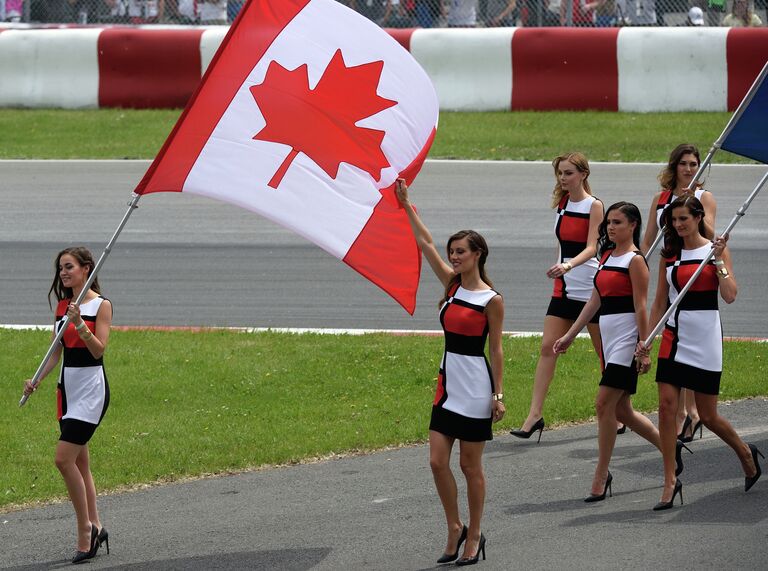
x,y
691,351
82,390
667,198
463,405
573,290
618,324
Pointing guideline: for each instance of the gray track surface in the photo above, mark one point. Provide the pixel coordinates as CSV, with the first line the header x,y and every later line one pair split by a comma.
x,y
380,511
185,260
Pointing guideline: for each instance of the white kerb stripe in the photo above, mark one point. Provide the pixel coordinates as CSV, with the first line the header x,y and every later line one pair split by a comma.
x,y
471,68
672,69
54,68
209,42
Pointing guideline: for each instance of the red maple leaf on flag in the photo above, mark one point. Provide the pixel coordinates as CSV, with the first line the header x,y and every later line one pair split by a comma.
x,y
320,122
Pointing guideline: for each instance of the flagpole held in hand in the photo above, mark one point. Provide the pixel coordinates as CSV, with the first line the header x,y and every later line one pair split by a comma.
x,y
739,214
91,277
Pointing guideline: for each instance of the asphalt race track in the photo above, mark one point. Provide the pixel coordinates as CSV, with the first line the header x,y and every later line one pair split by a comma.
x,y
190,261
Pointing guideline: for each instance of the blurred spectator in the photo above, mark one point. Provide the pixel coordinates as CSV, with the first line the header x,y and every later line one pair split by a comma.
x,y
375,10
742,16
181,12
638,12
213,12
145,11
233,9
462,14
427,12
715,10
53,11
501,13
695,17
583,13
605,14
11,10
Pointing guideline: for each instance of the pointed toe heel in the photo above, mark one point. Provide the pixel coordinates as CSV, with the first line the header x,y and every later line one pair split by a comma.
x,y
607,489
668,505
750,481
679,457
526,434
472,560
448,557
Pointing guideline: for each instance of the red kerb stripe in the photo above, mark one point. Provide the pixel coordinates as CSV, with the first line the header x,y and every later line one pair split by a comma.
x,y
402,36
148,69
746,51
565,69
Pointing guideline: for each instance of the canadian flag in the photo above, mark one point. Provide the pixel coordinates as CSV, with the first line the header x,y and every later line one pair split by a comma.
x,y
307,115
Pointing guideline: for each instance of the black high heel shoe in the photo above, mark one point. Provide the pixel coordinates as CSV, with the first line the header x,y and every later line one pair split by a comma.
x,y
621,430
600,497
103,538
667,505
81,556
750,481
538,425
446,557
686,425
476,558
698,426
679,457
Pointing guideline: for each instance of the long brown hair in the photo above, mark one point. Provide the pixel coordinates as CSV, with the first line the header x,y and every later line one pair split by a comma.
x,y
668,176
476,244
84,258
582,165
633,215
673,244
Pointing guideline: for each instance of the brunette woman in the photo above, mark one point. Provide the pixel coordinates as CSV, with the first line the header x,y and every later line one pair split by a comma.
x,y
469,389
681,167
83,391
620,294
691,351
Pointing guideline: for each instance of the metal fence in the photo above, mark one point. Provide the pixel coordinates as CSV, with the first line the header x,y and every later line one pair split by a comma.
x,y
408,13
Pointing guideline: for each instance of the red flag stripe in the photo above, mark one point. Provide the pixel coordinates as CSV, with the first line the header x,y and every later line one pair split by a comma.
x,y
170,168
746,52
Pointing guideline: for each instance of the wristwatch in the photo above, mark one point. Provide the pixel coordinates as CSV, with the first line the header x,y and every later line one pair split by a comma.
x,y
498,396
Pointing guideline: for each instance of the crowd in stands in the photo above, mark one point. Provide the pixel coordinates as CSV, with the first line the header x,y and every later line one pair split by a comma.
x,y
409,13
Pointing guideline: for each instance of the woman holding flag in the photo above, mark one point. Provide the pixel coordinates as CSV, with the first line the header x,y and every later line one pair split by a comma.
x,y
469,390
82,390
682,166
691,349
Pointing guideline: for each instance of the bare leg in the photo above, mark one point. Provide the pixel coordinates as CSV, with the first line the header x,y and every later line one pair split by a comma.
x,y
682,411
440,447
66,456
707,405
554,328
471,461
84,467
605,407
668,399
638,423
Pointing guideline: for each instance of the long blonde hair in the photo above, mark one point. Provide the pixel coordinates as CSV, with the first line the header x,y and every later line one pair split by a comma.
x,y
582,165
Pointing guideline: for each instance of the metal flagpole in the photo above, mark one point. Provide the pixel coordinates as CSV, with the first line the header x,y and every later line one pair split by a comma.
x,y
739,214
716,145
92,276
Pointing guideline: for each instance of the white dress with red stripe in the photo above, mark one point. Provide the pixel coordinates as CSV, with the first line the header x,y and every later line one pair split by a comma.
x,y
667,198
462,405
572,231
691,352
618,323
82,390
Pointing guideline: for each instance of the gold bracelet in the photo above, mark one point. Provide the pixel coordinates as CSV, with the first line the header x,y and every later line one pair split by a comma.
x,y
568,267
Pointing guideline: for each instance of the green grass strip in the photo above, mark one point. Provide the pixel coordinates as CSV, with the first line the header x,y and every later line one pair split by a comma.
x,y
186,404
603,136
